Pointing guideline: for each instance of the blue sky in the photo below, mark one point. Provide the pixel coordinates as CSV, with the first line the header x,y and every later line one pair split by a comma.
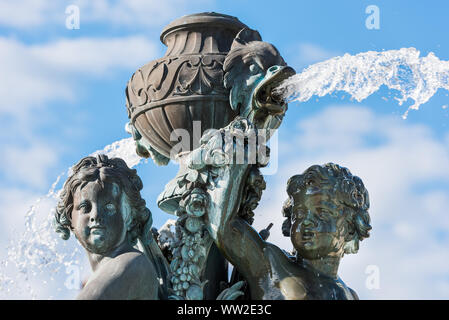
x,y
62,97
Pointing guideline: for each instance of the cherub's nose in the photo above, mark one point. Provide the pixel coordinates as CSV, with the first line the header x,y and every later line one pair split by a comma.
x,y
307,222
95,216
309,219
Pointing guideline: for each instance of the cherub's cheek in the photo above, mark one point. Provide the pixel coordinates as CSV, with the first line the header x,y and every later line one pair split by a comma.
x,y
326,226
82,227
86,232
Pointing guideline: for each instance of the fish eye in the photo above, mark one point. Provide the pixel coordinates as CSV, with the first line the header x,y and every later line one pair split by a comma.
x,y
254,68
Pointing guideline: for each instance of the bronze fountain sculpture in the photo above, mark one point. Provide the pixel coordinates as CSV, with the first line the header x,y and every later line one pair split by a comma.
x,y
220,73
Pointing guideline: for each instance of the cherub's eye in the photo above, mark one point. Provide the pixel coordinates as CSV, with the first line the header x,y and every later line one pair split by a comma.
x,y
310,182
298,215
84,206
324,213
357,196
110,209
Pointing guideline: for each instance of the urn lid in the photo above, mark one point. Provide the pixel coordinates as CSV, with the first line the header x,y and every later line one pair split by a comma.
x,y
206,19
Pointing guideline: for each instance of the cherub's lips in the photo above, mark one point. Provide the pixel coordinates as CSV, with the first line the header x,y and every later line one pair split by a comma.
x,y
97,229
308,234
97,226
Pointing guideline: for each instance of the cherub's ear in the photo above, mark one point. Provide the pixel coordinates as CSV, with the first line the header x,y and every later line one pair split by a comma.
x,y
286,227
245,36
350,232
146,235
351,236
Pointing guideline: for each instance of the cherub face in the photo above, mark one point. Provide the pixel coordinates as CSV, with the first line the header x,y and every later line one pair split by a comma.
x,y
319,227
97,220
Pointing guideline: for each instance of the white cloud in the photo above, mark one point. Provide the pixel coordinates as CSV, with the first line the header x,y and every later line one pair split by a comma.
x,y
403,167
304,54
95,56
137,12
28,165
24,82
334,130
28,14
33,75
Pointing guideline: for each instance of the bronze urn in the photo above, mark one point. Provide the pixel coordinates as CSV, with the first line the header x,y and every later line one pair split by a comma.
x,y
184,86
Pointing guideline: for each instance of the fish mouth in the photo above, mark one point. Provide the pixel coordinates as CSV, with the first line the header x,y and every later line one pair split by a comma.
x,y
265,94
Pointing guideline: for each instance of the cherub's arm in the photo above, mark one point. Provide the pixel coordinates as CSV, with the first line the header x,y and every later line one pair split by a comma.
x,y
239,242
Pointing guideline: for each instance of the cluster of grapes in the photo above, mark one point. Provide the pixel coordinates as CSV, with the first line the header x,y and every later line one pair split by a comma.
x,y
188,256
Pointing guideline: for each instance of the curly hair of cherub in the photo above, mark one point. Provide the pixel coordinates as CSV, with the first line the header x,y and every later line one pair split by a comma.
x,y
136,215
351,192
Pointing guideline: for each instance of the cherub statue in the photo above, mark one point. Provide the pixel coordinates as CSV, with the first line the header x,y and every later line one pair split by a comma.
x,y
327,217
101,205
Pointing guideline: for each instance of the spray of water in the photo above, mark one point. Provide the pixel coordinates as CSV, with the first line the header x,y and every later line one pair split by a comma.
x,y
125,149
38,258
416,78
